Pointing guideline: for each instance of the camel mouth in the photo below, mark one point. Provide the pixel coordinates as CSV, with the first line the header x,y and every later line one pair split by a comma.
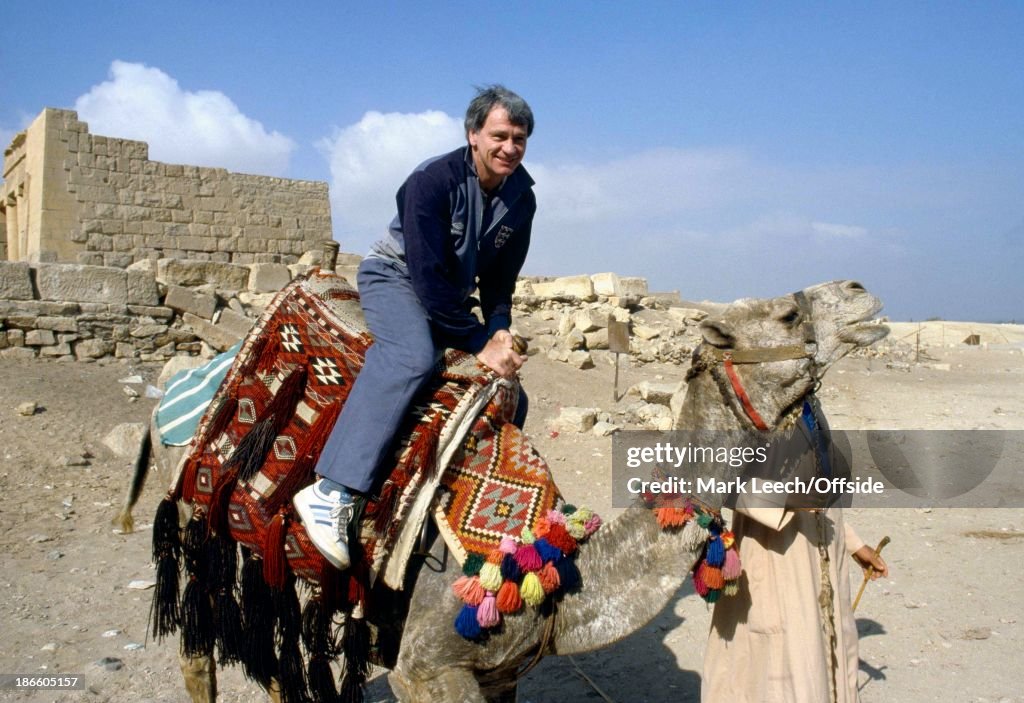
x,y
863,333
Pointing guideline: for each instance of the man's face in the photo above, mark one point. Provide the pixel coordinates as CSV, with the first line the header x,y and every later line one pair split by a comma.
x,y
498,147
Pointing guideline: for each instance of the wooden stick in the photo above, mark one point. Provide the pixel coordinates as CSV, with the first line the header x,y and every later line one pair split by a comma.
x,y
579,672
869,571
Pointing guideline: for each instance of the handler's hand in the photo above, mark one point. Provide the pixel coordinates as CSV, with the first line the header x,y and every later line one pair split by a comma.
x,y
865,556
500,356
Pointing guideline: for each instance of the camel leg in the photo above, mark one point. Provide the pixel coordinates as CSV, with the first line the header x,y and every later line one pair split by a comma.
x,y
200,678
456,685
509,695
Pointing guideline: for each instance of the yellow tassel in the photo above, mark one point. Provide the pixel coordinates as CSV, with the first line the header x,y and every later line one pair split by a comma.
x,y
490,577
575,528
731,588
531,589
728,539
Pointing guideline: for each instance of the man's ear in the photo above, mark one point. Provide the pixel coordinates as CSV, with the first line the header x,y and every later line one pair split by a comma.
x,y
717,334
471,138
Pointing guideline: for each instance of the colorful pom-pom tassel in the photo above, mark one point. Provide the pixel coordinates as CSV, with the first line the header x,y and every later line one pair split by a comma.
x,y
568,509
527,536
531,589
728,539
593,522
510,570
508,545
712,576
528,558
546,551
490,576
732,568
671,517
731,588
575,528
472,565
704,520
715,553
712,595
468,589
548,576
466,624
555,517
487,614
560,539
699,586
509,600
582,514
495,556
541,528
568,575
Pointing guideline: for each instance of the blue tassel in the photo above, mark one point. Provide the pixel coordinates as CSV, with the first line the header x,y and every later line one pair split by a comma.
x,y
510,570
466,624
568,575
547,551
715,555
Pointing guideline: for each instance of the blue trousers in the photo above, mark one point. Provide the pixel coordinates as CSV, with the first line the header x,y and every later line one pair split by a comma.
x,y
398,364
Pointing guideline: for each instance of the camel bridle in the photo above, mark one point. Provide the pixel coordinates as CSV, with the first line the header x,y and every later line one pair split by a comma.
x,y
729,358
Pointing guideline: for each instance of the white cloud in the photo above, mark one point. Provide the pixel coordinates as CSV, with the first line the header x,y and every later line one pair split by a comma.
x,y
370,159
203,128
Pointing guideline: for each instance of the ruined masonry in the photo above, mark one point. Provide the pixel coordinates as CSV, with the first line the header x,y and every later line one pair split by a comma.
x,y
73,197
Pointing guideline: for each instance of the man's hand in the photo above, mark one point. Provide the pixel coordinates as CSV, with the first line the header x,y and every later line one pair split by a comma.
x,y
865,556
500,356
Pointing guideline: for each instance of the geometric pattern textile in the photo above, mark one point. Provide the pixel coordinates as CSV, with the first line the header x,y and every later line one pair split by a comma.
x,y
262,434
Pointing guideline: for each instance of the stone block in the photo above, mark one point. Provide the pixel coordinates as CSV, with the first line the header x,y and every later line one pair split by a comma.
x,y
83,284
217,337
186,300
569,288
234,323
268,278
632,286
93,348
57,350
19,353
590,320
656,393
605,283
182,272
57,324
15,281
573,419
598,339
39,338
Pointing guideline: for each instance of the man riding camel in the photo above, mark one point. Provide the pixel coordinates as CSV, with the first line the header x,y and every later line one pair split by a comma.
x,y
463,223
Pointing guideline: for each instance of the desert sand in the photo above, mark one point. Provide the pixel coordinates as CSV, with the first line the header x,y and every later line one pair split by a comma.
x,y
946,624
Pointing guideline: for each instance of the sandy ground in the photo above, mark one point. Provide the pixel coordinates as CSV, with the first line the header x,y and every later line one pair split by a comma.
x,y
948,624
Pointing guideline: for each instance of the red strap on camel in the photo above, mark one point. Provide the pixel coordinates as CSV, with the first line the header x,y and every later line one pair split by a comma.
x,y
744,399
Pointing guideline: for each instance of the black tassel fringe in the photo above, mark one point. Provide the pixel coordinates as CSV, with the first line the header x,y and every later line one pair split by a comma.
x,y
259,661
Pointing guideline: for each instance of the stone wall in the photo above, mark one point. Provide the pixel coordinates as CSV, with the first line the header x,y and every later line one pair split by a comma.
x,y
71,196
151,311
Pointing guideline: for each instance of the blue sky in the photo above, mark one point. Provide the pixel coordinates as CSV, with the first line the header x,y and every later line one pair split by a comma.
x,y
719,149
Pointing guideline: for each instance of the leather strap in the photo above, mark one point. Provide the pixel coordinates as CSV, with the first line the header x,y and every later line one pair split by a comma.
x,y
741,394
758,355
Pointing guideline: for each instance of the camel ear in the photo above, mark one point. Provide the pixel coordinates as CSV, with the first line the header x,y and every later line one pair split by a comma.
x,y
717,334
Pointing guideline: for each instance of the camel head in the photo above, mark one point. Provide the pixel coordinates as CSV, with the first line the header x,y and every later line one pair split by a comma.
x,y
780,347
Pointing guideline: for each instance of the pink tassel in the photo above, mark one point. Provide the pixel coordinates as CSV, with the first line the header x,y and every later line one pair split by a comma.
x,y
508,545
556,517
591,525
487,614
468,589
732,568
528,558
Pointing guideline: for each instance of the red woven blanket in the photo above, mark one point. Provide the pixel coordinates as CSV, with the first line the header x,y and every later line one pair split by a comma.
x,y
269,421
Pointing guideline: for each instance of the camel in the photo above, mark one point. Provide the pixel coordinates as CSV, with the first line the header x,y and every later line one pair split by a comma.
x,y
630,568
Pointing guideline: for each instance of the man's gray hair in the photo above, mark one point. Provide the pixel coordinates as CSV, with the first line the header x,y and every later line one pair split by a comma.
x,y
491,96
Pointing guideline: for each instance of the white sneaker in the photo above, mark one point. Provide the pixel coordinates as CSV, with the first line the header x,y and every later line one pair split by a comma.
x,y
326,515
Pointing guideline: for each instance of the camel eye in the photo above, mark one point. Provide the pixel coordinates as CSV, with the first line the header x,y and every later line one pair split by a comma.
x,y
790,317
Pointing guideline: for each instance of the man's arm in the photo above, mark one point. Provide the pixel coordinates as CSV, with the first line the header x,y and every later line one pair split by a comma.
x,y
424,207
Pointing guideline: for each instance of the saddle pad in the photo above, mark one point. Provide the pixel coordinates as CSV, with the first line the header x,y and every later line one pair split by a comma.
x,y
265,429
497,487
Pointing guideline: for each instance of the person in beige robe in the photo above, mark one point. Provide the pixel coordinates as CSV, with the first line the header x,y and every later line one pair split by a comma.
x,y
773,641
